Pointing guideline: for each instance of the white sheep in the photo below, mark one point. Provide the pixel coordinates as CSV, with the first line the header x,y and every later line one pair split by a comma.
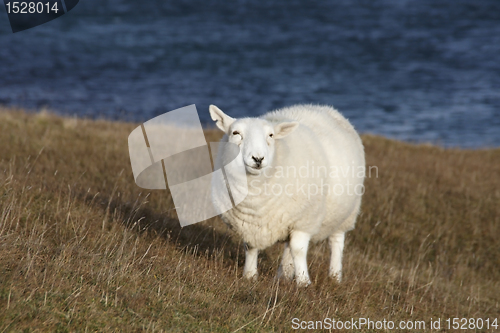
x,y
305,168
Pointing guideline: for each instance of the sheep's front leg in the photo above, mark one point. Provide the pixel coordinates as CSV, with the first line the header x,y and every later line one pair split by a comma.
x,y
250,269
336,242
299,243
286,269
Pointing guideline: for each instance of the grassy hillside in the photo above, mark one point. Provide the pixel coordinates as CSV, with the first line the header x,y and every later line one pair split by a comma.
x,y
82,248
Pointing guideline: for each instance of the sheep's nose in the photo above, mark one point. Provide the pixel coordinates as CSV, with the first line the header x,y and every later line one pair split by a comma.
x,y
258,160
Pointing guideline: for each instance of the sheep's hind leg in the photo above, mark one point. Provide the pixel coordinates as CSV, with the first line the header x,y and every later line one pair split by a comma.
x,y
299,243
287,268
336,242
250,269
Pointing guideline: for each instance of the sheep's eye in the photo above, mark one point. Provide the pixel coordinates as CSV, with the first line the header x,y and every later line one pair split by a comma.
x,y
236,133
271,135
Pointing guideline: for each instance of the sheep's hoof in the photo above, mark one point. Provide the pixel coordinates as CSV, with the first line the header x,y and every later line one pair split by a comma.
x,y
336,276
286,273
252,276
303,282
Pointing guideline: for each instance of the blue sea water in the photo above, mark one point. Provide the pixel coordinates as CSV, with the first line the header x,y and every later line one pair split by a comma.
x,y
415,70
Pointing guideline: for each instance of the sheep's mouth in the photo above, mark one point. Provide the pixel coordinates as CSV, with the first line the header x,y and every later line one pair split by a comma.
x,y
253,169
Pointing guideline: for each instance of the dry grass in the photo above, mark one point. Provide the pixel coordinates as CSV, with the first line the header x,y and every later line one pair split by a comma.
x,y
82,248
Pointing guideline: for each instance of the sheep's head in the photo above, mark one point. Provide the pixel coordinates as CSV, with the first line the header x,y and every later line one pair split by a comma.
x,y
255,137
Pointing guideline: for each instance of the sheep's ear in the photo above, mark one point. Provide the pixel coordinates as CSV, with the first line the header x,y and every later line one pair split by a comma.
x,y
283,129
223,121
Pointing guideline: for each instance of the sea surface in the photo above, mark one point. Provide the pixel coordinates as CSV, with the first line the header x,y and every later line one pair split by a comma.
x,y
414,70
